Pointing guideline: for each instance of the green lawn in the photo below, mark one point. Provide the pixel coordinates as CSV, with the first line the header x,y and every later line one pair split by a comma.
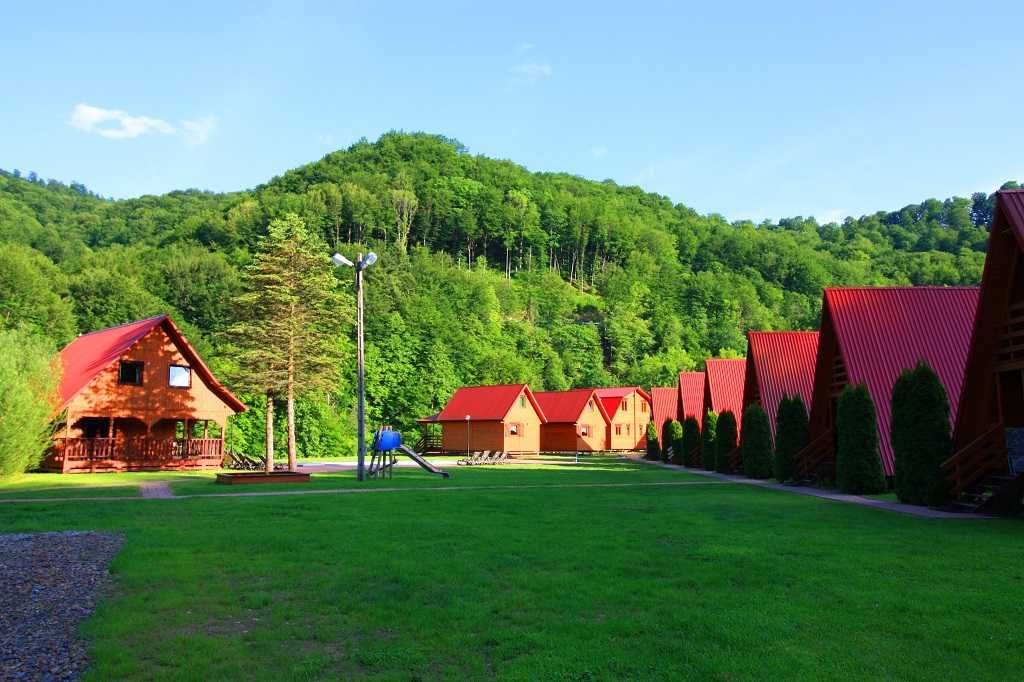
x,y
701,581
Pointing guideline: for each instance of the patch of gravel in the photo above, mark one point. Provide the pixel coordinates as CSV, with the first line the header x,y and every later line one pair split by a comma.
x,y
48,584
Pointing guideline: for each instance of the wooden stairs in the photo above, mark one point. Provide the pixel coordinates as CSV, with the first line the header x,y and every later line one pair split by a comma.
x,y
979,476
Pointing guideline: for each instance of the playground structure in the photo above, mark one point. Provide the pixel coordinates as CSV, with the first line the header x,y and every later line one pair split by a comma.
x,y
382,455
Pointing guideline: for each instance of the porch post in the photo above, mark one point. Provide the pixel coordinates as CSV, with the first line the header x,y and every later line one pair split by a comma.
x,y
206,429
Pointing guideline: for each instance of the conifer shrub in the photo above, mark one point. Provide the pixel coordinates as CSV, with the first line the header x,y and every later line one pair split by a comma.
x,y
920,436
691,441
725,441
667,446
858,467
792,435
707,440
675,436
756,446
653,450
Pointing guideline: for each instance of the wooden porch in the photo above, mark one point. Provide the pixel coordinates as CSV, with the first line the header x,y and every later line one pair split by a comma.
x,y
82,455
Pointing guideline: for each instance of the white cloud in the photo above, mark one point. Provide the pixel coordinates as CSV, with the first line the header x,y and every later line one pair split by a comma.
x,y
532,72
599,152
115,124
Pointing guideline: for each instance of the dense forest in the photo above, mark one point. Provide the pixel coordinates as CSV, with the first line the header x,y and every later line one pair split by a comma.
x,y
487,272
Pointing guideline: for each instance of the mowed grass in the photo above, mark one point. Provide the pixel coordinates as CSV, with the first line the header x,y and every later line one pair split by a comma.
x,y
697,581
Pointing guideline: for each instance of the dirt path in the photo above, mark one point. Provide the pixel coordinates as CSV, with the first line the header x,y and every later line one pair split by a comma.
x,y
158,489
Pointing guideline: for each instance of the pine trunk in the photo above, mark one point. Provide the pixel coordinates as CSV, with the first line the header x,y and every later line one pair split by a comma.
x,y
270,433
292,463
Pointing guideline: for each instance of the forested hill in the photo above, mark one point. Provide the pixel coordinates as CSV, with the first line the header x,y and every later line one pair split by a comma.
x,y
488,272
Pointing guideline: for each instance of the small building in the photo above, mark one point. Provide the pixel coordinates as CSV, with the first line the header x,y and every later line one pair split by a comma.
x,y
138,397
870,336
779,364
629,411
576,421
691,396
989,433
723,389
500,418
665,406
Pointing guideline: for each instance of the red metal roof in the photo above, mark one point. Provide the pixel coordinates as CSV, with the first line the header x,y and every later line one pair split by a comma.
x,y
664,405
883,331
691,392
567,406
780,363
89,354
486,403
1011,201
725,385
612,397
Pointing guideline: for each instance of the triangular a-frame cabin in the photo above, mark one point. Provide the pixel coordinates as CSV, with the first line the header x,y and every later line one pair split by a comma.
x,y
779,364
869,336
576,421
629,409
138,396
723,388
665,406
990,421
691,396
500,418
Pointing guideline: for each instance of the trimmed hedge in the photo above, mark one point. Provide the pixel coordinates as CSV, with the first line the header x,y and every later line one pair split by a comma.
x,y
792,434
675,436
725,441
691,441
665,438
858,467
653,449
921,440
707,440
757,443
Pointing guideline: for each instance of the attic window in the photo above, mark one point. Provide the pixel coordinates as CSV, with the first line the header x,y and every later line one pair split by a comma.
x,y
590,405
643,406
522,401
179,376
625,403
130,372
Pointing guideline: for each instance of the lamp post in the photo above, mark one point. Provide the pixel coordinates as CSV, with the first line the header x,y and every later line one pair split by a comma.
x,y
359,266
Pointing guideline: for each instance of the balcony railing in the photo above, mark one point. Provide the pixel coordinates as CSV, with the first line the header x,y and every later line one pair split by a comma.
x,y
94,454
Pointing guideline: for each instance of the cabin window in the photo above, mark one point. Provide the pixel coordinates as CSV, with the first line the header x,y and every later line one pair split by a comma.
x,y
522,401
590,405
643,406
625,403
584,430
618,429
627,429
130,372
514,429
180,376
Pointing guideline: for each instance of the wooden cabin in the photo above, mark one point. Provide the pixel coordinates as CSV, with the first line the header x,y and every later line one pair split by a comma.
x,y
779,364
629,411
989,433
871,335
138,397
665,406
576,421
501,418
723,387
691,396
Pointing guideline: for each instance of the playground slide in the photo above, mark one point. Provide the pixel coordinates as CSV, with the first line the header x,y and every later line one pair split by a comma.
x,y
416,457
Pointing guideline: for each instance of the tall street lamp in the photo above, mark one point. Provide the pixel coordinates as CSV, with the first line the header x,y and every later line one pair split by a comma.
x,y
361,264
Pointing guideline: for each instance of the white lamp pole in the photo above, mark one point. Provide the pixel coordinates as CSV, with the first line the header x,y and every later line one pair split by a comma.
x,y
359,266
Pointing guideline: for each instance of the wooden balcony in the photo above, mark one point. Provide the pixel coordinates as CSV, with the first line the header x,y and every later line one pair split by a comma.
x,y
133,454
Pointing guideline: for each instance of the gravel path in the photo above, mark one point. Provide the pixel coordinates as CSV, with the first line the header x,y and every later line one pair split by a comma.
x,y
48,585
158,489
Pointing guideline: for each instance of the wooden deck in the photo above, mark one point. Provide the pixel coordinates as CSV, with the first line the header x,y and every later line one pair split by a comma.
x,y
75,455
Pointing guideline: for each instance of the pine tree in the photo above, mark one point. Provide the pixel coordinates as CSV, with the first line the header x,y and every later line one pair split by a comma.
x,y
757,443
691,441
653,450
290,322
791,436
675,436
725,441
920,436
858,467
707,443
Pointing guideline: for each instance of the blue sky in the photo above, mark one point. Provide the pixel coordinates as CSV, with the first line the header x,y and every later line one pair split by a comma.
x,y
752,110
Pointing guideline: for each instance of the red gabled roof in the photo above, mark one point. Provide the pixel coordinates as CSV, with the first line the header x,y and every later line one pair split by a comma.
x,y
664,405
568,406
612,397
89,354
781,363
486,403
883,331
691,392
725,386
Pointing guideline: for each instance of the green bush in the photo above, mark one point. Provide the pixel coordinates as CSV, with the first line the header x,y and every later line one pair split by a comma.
x,y
858,467
28,386
653,450
725,441
691,441
667,445
920,436
707,440
675,436
791,436
757,443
